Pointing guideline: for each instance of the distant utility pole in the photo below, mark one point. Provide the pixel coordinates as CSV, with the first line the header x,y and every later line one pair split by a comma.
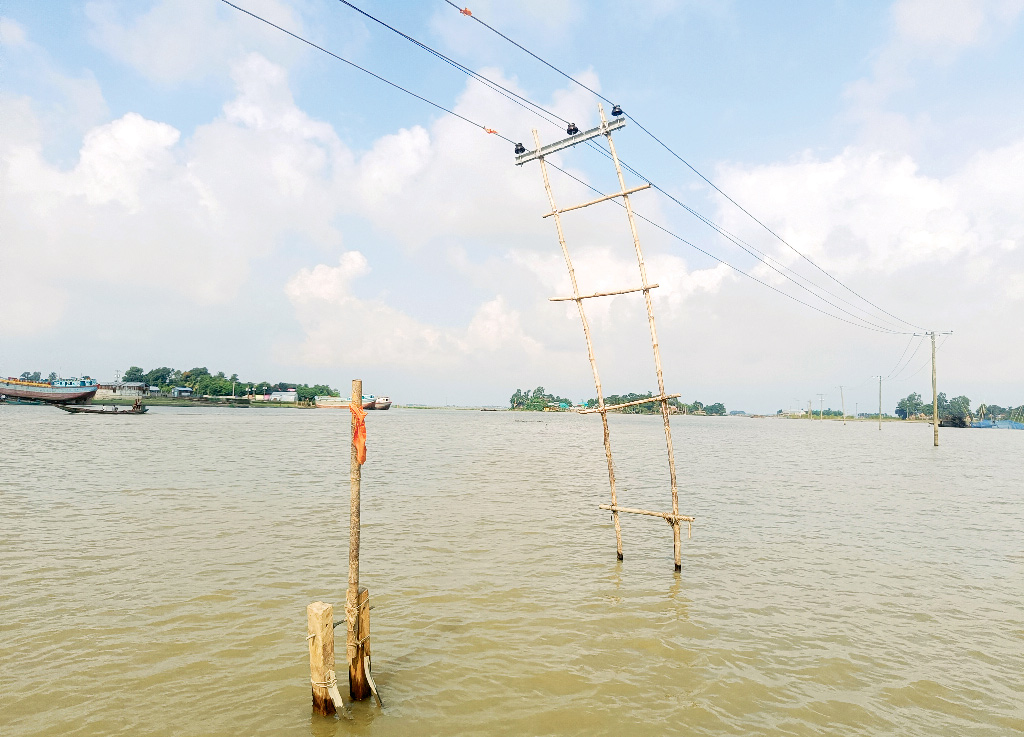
x,y
879,402
935,396
821,406
842,401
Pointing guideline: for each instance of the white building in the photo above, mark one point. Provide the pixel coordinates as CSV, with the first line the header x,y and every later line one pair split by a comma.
x,y
122,390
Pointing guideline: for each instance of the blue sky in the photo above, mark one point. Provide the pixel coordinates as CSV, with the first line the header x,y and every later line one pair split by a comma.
x,y
184,186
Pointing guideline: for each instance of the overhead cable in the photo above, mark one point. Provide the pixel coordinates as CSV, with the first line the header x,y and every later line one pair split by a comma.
x,y
863,323
365,70
542,112
722,261
689,166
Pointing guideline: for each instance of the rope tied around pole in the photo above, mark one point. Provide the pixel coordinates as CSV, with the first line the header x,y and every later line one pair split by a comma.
x,y
689,526
332,683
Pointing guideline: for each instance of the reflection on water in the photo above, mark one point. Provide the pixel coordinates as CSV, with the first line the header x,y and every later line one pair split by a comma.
x,y
156,571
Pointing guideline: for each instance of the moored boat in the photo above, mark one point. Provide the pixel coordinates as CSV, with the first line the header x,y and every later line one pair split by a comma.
x,y
58,391
136,409
368,402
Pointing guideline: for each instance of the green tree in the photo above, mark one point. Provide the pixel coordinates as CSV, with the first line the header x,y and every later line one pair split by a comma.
x,y
134,373
159,376
715,409
52,376
909,406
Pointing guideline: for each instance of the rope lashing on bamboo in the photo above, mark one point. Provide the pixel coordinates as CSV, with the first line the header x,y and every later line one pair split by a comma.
x,y
689,526
333,683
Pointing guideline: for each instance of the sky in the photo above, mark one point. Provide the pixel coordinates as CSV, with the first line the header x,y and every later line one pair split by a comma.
x,y
182,185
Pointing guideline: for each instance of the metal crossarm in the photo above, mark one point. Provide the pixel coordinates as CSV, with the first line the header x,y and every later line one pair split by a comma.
x,y
603,294
602,130
605,129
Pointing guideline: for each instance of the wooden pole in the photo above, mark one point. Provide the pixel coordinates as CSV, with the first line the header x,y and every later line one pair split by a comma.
x,y
676,542
935,396
320,625
358,687
590,346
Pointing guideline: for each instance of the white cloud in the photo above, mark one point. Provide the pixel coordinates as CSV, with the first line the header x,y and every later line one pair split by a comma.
x,y
933,31
942,26
340,328
185,40
200,207
12,33
866,211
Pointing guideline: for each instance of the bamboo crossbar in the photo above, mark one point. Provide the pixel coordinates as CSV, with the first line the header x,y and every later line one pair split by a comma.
x,y
610,407
664,515
603,294
611,196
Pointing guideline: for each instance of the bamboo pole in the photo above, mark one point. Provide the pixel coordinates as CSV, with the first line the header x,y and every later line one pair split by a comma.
x,y
635,402
590,344
663,515
599,200
676,542
358,687
602,294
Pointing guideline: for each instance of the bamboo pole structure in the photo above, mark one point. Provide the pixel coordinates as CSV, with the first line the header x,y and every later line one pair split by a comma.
x,y
539,154
590,343
357,684
676,542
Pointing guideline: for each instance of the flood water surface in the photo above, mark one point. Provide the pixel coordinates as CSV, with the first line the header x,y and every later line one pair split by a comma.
x,y
841,580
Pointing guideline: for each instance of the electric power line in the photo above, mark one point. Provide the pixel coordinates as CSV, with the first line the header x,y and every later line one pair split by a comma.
x,y
505,138
365,70
692,168
547,114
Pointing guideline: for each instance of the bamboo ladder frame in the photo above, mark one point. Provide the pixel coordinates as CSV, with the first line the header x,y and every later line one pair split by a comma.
x,y
673,518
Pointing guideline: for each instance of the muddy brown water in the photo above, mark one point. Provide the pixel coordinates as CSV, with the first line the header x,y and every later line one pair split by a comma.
x,y
154,574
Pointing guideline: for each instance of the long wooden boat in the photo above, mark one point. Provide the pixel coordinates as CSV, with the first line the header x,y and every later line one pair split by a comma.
x,y
135,409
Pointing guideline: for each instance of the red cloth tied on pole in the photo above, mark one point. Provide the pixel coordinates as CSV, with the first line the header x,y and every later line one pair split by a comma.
x,y
359,431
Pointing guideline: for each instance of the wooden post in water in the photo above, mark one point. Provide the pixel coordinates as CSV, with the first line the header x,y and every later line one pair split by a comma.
x,y
320,624
357,685
935,396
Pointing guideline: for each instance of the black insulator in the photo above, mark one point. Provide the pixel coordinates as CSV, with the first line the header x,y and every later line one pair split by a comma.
x,y
572,130
616,111
520,149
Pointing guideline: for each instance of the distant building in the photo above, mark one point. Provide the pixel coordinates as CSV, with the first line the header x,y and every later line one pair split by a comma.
x,y
289,396
154,391
121,390
181,392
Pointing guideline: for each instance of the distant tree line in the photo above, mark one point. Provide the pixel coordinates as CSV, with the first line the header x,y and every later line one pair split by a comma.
x,y
957,408
37,376
537,400
203,383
